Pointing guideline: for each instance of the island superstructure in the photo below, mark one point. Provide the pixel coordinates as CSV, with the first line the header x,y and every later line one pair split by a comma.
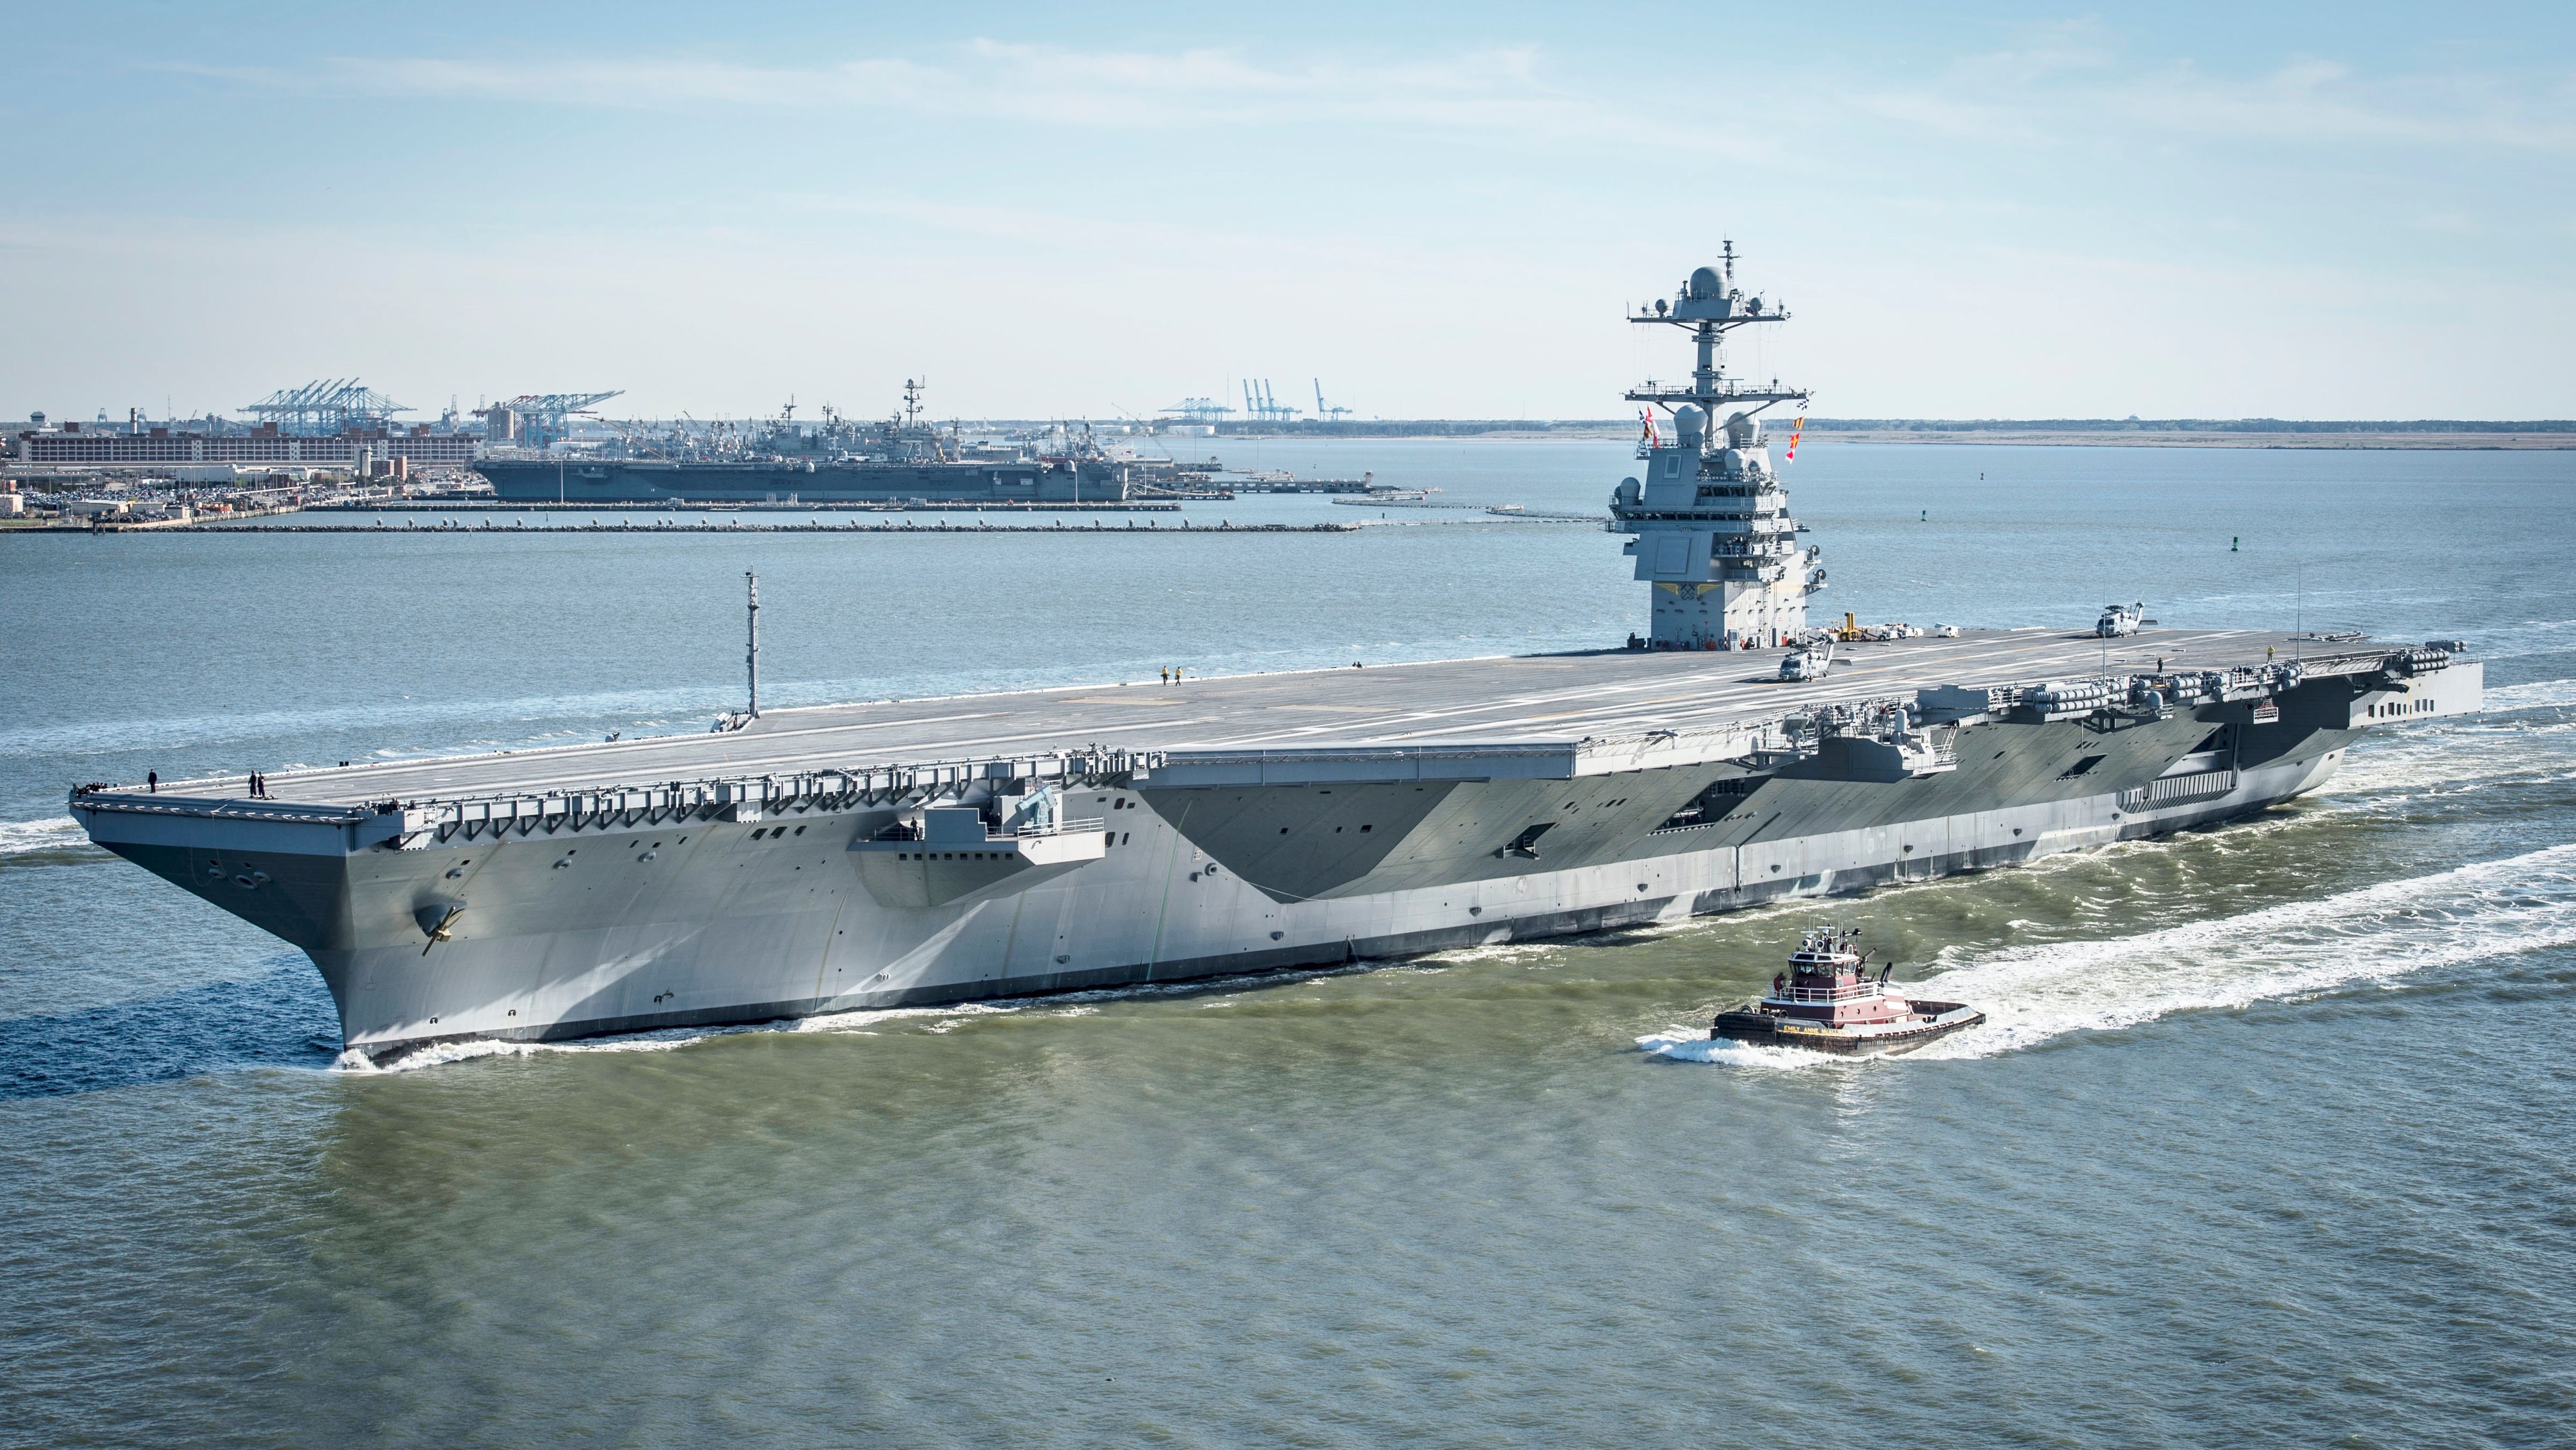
x,y
942,850
1713,534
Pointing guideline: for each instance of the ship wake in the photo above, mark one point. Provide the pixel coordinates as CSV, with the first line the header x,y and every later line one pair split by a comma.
x,y
665,1039
2374,937
52,838
942,1018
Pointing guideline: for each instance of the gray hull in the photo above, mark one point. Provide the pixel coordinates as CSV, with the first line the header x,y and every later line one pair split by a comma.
x,y
634,481
676,918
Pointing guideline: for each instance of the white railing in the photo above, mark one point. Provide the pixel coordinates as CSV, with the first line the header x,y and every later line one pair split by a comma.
x,y
1828,994
1061,827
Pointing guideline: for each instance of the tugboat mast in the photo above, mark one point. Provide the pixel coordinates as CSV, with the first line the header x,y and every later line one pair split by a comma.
x,y
1714,538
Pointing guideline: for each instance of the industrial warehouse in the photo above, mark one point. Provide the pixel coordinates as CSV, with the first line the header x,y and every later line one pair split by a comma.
x,y
337,424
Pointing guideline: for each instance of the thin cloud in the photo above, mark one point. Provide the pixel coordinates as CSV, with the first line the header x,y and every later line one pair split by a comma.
x,y
638,83
2323,101
2037,97
1496,90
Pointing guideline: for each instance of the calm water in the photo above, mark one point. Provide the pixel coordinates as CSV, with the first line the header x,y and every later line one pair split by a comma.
x,y
2268,1139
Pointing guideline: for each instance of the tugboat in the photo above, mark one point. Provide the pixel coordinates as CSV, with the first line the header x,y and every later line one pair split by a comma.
x,y
1828,1002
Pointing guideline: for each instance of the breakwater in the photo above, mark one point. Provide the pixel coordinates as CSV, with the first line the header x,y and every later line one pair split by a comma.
x,y
877,506
1500,511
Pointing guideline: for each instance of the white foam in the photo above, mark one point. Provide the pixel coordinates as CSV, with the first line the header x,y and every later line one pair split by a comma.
x,y
1680,1044
2502,742
869,1017
2372,936
444,1053
666,1039
2532,695
1540,948
21,838
942,1019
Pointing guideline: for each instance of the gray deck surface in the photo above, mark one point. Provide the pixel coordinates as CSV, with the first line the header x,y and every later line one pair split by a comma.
x,y
1449,702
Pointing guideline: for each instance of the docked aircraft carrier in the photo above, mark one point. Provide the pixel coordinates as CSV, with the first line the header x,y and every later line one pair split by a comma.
x,y
929,851
902,459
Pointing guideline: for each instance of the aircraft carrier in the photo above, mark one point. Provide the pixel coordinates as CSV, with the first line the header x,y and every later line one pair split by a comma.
x,y
927,851
902,459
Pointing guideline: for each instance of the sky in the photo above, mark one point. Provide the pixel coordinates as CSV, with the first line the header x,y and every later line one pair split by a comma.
x,y
2302,211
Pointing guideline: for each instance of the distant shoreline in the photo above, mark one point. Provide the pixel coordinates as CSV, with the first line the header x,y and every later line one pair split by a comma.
x,y
2391,435
2418,442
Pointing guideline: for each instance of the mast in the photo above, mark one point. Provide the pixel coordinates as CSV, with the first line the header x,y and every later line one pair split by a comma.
x,y
751,655
1709,306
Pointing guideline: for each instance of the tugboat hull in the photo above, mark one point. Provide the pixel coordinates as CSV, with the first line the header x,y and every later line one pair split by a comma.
x,y
1771,1029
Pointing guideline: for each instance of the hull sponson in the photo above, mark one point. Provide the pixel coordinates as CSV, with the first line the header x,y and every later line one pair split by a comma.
x,y
651,914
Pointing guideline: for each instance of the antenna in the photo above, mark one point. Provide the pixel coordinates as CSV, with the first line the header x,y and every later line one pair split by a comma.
x,y
1727,249
751,657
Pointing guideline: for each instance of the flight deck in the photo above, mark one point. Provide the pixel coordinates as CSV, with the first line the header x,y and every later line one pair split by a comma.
x,y
1526,699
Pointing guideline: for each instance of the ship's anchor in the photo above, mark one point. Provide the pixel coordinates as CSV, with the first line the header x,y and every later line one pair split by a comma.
x,y
438,930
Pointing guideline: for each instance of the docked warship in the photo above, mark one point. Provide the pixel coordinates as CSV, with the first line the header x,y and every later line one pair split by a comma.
x,y
928,851
901,459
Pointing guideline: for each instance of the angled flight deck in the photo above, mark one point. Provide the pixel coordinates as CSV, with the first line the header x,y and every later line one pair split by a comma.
x,y
1444,704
